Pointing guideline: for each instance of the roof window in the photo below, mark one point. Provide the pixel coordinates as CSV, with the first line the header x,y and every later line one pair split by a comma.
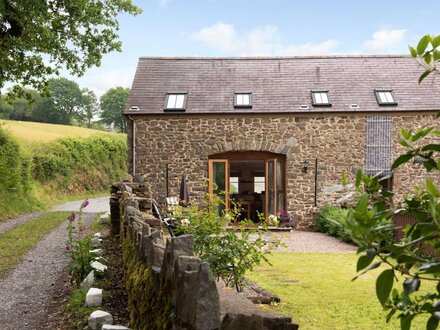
x,y
243,100
385,97
321,98
175,102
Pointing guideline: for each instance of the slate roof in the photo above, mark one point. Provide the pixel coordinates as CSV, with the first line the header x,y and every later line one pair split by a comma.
x,y
282,84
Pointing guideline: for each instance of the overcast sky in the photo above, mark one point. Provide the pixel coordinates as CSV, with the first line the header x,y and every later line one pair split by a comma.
x,y
263,27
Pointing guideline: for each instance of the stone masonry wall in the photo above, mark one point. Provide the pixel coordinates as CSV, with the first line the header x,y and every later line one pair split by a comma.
x,y
185,143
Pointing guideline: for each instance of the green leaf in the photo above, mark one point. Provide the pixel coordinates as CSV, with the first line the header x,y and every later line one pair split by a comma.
x,y
423,43
424,75
373,266
436,55
427,58
405,321
432,189
402,159
430,268
365,260
432,323
411,285
358,178
405,133
384,284
431,147
413,51
436,41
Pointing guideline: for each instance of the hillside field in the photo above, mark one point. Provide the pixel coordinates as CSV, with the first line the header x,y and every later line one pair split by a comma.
x,y
42,164
26,131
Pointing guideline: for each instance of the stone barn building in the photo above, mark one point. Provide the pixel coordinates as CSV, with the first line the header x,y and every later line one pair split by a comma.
x,y
276,133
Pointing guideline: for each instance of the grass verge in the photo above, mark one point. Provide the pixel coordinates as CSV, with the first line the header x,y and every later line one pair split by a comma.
x,y
16,242
317,292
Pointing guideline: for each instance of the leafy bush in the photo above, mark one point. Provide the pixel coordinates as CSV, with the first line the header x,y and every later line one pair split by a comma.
x,y
331,220
230,254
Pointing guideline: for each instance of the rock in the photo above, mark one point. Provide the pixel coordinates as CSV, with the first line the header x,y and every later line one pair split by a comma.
x,y
97,235
94,297
103,220
98,318
88,281
98,266
98,252
114,327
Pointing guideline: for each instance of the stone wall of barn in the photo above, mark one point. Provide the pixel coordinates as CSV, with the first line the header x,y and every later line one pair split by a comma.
x,y
183,144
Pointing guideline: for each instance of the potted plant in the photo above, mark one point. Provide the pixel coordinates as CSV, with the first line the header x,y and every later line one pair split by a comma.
x,y
283,216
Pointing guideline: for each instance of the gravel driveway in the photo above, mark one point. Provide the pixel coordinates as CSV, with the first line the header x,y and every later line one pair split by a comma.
x,y
304,241
15,222
26,292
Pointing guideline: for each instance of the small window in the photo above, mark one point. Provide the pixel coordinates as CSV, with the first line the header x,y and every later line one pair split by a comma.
x,y
259,184
385,97
243,100
175,101
233,184
321,98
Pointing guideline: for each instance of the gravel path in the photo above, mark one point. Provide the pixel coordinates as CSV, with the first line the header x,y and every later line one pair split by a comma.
x,y
97,205
27,291
15,222
304,241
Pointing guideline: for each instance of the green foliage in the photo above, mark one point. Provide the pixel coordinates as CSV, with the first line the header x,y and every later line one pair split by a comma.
x,y
330,220
230,254
369,223
97,161
427,54
113,104
77,312
15,166
48,36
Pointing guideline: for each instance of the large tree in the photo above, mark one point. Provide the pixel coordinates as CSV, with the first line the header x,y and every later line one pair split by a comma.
x,y
113,103
66,102
90,107
40,37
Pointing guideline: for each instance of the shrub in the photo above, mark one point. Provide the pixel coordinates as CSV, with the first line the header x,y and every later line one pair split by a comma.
x,y
230,254
331,220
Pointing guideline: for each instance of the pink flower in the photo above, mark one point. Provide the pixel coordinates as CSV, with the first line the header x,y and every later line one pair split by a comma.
x,y
72,217
85,203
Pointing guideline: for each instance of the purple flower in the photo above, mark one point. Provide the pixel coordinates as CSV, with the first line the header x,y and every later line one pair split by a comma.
x,y
72,217
67,248
85,203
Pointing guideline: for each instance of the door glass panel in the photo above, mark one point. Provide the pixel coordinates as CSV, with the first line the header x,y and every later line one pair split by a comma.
x,y
270,187
280,186
219,182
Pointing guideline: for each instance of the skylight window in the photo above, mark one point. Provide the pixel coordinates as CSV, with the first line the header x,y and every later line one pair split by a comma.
x,y
385,97
243,100
321,98
175,101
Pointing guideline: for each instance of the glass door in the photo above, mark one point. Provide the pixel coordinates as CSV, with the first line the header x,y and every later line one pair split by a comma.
x,y
218,172
270,187
275,189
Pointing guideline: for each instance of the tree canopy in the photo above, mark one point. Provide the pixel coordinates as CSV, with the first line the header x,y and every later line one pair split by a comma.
x,y
39,37
113,103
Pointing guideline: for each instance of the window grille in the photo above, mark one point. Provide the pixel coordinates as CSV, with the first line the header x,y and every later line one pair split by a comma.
x,y
379,145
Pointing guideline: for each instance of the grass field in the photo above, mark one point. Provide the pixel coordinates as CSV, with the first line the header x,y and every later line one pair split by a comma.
x,y
30,132
317,292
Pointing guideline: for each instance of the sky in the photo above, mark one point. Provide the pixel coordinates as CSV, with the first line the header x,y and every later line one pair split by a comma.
x,y
262,28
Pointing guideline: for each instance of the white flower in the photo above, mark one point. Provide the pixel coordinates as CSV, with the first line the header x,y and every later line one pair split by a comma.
x,y
272,220
184,222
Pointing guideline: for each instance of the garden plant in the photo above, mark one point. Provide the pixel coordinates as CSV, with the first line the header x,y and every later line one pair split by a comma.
x,y
370,221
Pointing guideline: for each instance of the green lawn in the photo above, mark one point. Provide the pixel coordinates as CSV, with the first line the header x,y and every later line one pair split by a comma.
x,y
317,292
16,242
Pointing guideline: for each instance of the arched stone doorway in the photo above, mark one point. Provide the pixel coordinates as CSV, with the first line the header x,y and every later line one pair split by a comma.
x,y
255,180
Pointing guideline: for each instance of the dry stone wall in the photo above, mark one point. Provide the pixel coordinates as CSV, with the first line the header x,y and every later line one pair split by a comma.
x,y
170,288
185,143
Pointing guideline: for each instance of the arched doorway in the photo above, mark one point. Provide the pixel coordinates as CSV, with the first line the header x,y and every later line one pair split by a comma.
x,y
253,179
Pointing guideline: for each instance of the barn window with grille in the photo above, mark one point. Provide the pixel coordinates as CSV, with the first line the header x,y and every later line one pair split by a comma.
x,y
379,144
